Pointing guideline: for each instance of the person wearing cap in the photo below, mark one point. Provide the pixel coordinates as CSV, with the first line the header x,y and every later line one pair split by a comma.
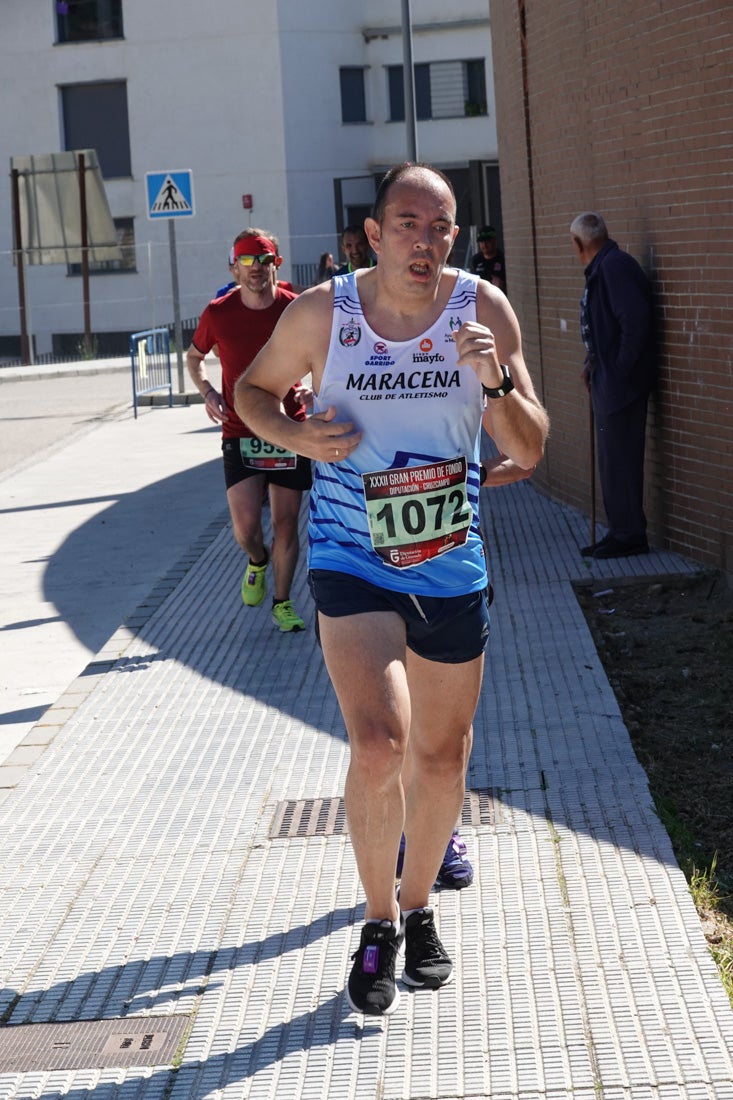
x,y
488,262
238,325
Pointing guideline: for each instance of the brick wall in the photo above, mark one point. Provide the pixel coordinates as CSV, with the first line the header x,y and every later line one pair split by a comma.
x,y
629,112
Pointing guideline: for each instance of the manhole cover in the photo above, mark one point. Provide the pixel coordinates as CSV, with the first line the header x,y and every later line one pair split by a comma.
x,y
92,1044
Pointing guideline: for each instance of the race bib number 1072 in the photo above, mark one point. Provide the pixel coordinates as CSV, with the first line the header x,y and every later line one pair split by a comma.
x,y
418,512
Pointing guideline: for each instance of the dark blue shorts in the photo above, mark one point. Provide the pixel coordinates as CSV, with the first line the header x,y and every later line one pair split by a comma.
x,y
450,630
236,471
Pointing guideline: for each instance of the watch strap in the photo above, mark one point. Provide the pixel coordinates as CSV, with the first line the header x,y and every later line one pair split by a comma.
x,y
506,387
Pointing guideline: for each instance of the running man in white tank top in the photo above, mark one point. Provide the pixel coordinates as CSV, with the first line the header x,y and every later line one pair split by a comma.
x,y
401,357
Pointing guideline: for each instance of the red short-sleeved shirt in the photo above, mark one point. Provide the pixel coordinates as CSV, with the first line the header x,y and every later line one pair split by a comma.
x,y
240,333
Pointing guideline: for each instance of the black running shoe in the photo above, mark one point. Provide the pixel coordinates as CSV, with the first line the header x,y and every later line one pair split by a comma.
x,y
427,964
371,987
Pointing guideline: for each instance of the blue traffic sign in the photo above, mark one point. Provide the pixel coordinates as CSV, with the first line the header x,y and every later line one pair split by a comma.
x,y
170,194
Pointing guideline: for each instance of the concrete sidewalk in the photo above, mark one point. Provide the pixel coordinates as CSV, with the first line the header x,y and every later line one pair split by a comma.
x,y
179,901
95,507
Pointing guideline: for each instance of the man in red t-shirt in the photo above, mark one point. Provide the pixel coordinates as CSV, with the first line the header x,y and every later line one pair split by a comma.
x,y
240,324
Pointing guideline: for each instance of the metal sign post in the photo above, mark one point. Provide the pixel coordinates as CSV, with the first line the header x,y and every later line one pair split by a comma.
x,y
177,330
25,344
170,195
88,346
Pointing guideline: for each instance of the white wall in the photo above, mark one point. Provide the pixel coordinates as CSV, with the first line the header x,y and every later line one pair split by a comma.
x,y
316,38
386,13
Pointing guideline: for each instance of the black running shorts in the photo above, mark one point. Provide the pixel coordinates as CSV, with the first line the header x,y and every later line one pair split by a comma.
x,y
450,630
235,470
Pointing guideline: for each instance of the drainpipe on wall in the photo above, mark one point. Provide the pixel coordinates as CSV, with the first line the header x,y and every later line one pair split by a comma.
x,y
522,8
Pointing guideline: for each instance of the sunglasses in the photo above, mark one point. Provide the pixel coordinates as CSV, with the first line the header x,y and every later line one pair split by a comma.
x,y
265,258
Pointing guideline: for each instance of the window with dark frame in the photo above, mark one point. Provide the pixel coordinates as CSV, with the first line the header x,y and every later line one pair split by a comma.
x,y
125,230
443,89
476,102
88,20
396,93
423,97
95,117
353,94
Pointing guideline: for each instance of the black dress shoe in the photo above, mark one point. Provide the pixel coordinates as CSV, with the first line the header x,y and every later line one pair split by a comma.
x,y
620,548
589,551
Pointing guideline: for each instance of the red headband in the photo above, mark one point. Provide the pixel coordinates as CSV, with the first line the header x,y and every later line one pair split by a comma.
x,y
254,246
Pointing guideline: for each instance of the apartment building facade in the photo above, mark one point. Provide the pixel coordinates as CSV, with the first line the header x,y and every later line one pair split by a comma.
x,y
285,114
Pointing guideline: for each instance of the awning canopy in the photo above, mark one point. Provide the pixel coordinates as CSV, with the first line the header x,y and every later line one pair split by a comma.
x,y
50,209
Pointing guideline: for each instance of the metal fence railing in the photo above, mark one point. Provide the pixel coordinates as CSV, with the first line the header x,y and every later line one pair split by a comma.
x,y
304,274
150,355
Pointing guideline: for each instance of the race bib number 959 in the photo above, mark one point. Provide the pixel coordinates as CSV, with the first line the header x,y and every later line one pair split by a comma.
x,y
418,512
258,454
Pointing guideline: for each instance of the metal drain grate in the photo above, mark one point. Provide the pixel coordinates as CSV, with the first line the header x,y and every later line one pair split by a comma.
x,y
309,817
321,817
481,806
92,1044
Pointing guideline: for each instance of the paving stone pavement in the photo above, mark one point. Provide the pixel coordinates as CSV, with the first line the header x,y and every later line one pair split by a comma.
x,y
95,506
145,871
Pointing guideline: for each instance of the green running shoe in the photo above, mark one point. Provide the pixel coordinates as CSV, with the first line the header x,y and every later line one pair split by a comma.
x,y
285,617
254,584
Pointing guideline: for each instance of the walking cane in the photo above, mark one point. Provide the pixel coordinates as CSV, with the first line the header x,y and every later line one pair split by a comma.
x,y
592,426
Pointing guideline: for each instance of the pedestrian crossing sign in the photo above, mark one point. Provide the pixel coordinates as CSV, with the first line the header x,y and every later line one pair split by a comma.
x,y
170,194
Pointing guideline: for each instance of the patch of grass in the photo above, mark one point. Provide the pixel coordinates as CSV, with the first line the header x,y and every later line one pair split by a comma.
x,y
709,893
723,955
683,840
705,890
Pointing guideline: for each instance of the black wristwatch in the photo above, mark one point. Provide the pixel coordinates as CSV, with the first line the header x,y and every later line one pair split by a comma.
x,y
506,387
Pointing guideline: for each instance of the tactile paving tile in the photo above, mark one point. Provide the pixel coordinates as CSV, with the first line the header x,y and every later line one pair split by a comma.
x,y
138,875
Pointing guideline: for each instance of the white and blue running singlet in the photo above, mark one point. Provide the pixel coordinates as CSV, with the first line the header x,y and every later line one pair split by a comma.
x,y
402,510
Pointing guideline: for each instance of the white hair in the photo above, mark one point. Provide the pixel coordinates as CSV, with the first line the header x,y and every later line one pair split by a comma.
x,y
589,228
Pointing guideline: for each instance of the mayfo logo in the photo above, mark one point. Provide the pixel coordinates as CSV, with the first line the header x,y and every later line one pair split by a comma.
x,y
380,348
424,356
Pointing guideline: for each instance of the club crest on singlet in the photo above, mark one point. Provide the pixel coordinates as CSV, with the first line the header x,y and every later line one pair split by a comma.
x,y
349,335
